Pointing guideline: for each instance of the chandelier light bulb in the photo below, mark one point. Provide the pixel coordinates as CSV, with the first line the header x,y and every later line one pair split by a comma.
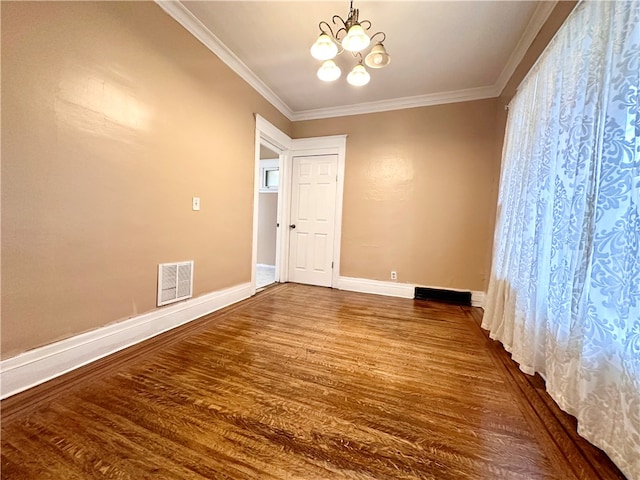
x,y
378,57
329,71
349,35
324,48
356,39
358,76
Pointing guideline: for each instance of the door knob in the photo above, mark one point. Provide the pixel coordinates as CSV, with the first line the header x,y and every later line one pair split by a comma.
x,y
292,226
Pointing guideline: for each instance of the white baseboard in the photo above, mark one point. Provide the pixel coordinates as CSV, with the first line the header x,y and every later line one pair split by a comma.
x,y
37,366
393,289
377,287
477,298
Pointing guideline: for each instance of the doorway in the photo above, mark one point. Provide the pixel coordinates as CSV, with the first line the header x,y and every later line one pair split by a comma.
x,y
316,149
267,216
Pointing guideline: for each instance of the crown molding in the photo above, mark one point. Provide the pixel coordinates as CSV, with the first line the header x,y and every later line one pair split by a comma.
x,y
540,15
176,10
184,17
399,103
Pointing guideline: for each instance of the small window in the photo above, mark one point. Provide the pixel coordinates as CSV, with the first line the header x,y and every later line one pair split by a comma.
x,y
269,175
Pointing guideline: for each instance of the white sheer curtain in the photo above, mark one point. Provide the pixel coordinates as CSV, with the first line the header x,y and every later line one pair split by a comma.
x,y
564,294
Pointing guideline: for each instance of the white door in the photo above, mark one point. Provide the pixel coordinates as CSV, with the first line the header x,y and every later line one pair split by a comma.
x,y
313,210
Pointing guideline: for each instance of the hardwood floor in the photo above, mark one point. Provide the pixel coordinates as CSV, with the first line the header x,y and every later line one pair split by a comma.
x,y
304,383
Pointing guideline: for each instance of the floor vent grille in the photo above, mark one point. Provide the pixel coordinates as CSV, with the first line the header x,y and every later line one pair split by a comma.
x,y
175,282
444,296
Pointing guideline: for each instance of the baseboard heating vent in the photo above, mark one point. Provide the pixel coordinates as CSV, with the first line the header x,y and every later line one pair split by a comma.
x,y
175,282
445,296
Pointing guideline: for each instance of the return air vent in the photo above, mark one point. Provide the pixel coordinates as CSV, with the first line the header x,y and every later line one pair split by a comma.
x,y
445,296
175,282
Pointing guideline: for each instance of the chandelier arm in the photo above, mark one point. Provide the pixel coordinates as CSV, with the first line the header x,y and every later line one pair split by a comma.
x,y
328,26
384,36
344,24
337,37
367,22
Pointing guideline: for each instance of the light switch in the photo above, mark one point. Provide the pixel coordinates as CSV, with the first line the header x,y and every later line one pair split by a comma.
x,y
195,203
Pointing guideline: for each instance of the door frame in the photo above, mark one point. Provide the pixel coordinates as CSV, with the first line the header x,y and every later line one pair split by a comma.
x,y
275,139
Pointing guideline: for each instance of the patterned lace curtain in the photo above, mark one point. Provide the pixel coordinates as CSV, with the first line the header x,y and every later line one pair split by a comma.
x,y
564,293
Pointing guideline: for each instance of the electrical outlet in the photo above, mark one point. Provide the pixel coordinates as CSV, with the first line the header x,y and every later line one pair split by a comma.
x,y
394,275
195,203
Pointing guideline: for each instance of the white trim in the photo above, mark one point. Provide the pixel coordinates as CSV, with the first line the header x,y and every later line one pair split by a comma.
x,y
256,207
399,103
539,17
329,145
284,211
45,363
272,134
477,298
278,141
393,289
184,17
376,287
190,22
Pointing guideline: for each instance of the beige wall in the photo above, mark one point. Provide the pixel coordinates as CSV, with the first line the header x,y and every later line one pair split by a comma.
x,y
113,117
421,184
267,231
417,192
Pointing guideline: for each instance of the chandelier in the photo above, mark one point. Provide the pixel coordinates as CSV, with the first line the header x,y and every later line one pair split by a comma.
x,y
351,35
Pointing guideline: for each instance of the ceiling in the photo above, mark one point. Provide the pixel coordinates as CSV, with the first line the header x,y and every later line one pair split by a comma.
x,y
441,51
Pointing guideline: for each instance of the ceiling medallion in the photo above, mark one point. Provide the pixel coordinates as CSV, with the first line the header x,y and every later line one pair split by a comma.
x,y
352,37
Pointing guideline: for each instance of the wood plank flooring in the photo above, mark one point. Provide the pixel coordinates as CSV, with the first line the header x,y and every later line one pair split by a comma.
x,y
301,382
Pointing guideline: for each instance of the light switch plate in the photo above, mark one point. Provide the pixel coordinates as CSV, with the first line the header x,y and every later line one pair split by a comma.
x,y
195,203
